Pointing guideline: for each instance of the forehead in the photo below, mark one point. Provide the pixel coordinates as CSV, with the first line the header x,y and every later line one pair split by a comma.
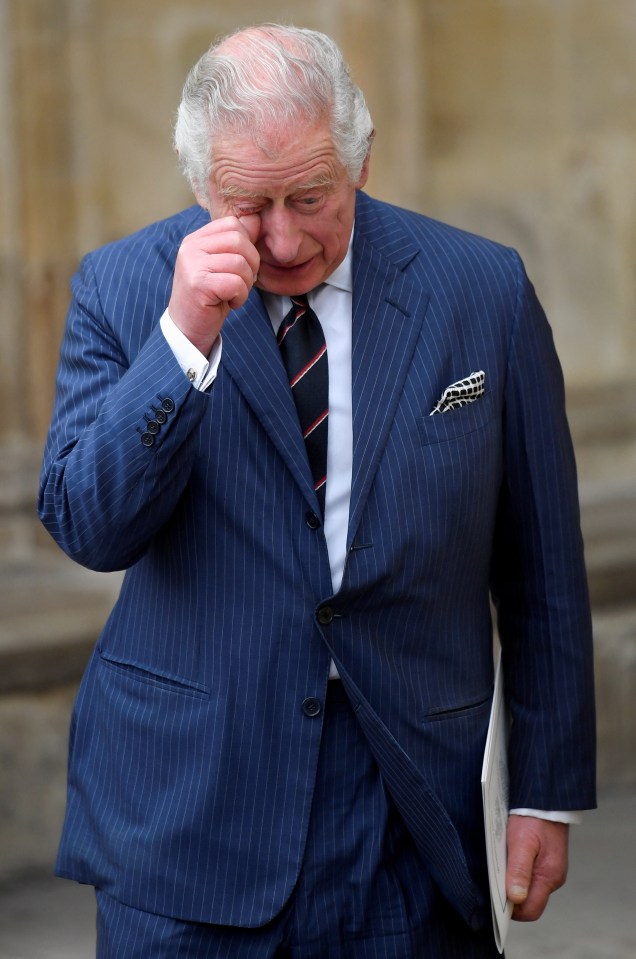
x,y
283,160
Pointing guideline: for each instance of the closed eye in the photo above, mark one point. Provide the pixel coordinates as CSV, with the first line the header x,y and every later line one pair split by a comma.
x,y
245,209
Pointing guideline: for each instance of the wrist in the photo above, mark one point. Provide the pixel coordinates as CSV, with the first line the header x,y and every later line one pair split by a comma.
x,y
196,364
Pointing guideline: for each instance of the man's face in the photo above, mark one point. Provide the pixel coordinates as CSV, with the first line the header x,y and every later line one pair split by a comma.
x,y
302,194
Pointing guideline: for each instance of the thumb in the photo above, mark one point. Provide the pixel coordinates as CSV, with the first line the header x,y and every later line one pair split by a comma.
x,y
517,888
522,853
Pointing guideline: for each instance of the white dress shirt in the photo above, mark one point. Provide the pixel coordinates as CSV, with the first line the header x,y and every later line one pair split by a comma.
x,y
332,303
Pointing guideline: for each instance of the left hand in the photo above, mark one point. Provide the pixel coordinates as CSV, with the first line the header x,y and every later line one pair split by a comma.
x,y
537,864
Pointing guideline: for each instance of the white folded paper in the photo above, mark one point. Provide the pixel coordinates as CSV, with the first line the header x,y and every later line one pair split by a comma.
x,y
494,788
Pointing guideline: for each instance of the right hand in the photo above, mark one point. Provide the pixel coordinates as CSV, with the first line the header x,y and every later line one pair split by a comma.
x,y
215,270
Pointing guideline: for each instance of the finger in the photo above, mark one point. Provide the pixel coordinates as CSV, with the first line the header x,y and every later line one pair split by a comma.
x,y
252,223
214,263
534,905
230,288
537,863
248,226
233,241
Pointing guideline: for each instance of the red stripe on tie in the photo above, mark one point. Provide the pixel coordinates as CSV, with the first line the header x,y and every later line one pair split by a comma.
x,y
284,330
320,483
316,423
306,369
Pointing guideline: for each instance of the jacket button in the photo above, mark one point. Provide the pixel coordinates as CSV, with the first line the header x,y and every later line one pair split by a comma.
x,y
153,427
167,404
312,707
160,415
312,520
147,439
325,615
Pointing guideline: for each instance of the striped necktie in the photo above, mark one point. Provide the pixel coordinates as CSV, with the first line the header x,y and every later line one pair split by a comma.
x,y
304,352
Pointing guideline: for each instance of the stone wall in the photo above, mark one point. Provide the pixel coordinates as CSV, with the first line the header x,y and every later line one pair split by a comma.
x,y
513,118
532,139
516,118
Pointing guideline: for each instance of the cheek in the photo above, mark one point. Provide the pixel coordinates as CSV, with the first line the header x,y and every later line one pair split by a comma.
x,y
333,236
337,233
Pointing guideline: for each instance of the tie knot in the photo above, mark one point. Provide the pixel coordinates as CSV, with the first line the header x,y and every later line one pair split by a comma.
x,y
300,301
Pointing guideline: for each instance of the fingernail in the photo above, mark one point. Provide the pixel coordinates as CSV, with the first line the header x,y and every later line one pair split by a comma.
x,y
520,891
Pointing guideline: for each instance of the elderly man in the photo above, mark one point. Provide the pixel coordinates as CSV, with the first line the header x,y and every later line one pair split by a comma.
x,y
320,433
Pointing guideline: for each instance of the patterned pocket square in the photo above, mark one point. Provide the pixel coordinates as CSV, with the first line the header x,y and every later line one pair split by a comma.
x,y
461,393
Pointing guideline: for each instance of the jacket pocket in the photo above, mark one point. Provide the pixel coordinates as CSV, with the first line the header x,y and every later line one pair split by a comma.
x,y
161,681
468,710
443,427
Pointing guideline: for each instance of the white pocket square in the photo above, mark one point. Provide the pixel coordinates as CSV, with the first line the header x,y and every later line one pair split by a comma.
x,y
460,393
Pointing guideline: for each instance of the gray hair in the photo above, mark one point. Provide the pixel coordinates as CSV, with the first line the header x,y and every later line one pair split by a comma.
x,y
252,80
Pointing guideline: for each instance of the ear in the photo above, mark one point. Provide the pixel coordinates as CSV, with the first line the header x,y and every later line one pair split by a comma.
x,y
364,172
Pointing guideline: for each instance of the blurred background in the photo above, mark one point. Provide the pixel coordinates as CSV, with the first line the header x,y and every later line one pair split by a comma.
x,y
511,118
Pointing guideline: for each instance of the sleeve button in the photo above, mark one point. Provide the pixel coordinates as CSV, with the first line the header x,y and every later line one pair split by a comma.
x,y
167,404
147,439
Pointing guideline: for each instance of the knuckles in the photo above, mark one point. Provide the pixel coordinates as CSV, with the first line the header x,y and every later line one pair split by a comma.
x,y
215,268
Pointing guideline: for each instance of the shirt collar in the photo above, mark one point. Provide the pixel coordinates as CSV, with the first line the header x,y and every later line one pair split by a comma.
x,y
340,279
342,276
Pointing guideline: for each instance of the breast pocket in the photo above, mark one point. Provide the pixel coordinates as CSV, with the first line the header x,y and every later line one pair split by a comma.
x,y
443,427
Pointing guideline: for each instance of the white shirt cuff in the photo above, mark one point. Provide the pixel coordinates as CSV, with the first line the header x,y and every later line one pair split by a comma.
x,y
570,817
201,370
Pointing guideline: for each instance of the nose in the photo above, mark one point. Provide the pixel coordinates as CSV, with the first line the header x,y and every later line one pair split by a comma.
x,y
280,234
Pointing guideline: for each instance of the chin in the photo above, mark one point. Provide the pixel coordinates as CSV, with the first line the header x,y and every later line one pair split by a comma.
x,y
290,281
286,286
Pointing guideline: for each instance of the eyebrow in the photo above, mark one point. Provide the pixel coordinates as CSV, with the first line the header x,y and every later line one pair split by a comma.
x,y
233,191
322,180
237,191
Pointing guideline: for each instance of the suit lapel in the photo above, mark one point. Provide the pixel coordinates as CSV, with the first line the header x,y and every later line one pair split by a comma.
x,y
388,313
251,357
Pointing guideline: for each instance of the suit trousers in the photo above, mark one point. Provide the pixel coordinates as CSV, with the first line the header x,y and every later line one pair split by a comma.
x,y
363,891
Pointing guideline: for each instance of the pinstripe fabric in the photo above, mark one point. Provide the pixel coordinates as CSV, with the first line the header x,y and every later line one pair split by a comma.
x,y
192,762
363,893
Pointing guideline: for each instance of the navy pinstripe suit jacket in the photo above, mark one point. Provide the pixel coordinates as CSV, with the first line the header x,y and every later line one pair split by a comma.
x,y
192,760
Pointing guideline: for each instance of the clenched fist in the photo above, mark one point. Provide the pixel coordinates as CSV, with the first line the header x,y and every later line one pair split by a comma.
x,y
215,270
